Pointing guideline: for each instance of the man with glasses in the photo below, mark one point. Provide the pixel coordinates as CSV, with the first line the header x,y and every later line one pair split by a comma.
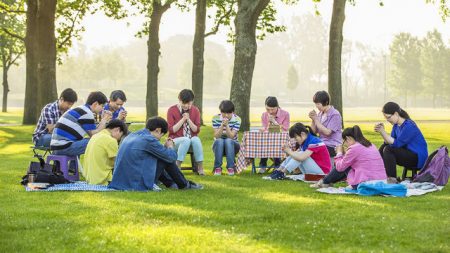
x,y
142,160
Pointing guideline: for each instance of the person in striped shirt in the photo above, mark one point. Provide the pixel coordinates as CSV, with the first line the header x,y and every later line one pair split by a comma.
x,y
68,135
226,127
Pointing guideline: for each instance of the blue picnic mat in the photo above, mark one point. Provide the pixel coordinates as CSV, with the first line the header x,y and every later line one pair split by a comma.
x,y
76,186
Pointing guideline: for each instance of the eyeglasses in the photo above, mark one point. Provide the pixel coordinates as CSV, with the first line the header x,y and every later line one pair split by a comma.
x,y
388,117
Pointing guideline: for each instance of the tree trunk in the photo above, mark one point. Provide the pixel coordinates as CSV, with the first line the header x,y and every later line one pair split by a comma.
x,y
46,54
5,88
334,60
244,57
40,45
29,114
198,49
153,58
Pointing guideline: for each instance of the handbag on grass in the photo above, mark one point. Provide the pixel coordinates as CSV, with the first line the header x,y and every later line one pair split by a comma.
x,y
41,172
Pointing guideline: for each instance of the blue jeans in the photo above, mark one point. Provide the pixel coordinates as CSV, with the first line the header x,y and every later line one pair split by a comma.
x,y
44,140
308,166
230,147
182,145
75,149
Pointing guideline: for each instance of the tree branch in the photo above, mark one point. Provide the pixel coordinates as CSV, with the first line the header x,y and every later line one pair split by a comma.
x,y
17,57
72,27
166,6
13,34
215,29
2,7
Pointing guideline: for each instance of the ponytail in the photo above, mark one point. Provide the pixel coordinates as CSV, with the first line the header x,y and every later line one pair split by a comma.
x,y
403,114
356,133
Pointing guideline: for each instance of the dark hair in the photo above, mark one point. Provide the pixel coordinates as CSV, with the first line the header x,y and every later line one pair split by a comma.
x,y
391,108
299,128
226,106
272,102
322,97
186,96
157,122
118,94
96,96
117,123
69,95
356,133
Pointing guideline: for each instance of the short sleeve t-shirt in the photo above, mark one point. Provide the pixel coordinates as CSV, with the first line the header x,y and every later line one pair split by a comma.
x,y
99,158
332,120
234,124
72,126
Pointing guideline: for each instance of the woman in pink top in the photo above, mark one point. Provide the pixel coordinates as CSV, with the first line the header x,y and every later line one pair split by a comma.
x,y
357,159
273,116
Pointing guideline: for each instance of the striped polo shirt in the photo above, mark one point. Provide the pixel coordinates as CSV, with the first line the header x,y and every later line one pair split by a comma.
x,y
234,123
72,126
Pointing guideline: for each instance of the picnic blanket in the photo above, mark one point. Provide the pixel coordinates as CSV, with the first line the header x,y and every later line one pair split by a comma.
x,y
404,189
80,186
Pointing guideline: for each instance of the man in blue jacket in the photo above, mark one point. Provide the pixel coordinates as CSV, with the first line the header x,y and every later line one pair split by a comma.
x,y
142,159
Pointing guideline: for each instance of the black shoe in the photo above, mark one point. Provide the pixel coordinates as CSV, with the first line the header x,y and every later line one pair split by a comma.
x,y
277,175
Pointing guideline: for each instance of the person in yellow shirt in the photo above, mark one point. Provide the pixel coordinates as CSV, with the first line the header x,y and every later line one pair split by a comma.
x,y
101,152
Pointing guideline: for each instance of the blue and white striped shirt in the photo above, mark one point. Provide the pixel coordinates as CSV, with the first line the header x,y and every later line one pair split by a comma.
x,y
72,126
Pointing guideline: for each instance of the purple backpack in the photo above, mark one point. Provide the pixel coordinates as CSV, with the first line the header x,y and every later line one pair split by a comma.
x,y
436,169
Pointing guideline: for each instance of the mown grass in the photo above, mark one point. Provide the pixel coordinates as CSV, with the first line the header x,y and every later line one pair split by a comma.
x,y
232,214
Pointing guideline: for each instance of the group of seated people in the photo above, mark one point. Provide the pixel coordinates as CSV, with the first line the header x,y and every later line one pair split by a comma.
x,y
141,160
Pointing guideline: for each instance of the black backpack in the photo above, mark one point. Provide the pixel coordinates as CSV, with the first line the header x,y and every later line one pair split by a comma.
x,y
41,172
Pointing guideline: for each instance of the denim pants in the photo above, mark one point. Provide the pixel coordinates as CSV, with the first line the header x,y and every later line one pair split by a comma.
x,y
182,145
308,166
169,173
44,140
77,148
230,147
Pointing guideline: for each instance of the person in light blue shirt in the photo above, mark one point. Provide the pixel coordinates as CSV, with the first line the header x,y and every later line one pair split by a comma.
x,y
406,145
142,160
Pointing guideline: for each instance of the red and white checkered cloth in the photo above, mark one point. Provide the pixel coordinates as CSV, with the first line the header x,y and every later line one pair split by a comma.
x,y
261,145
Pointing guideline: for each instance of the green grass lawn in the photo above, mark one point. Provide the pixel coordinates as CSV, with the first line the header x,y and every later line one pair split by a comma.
x,y
232,214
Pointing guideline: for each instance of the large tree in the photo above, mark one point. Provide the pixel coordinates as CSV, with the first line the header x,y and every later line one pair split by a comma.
x,y
11,42
244,56
225,9
158,10
335,52
198,48
50,27
153,10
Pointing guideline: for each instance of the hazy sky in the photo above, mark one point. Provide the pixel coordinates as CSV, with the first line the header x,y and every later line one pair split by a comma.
x,y
366,22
